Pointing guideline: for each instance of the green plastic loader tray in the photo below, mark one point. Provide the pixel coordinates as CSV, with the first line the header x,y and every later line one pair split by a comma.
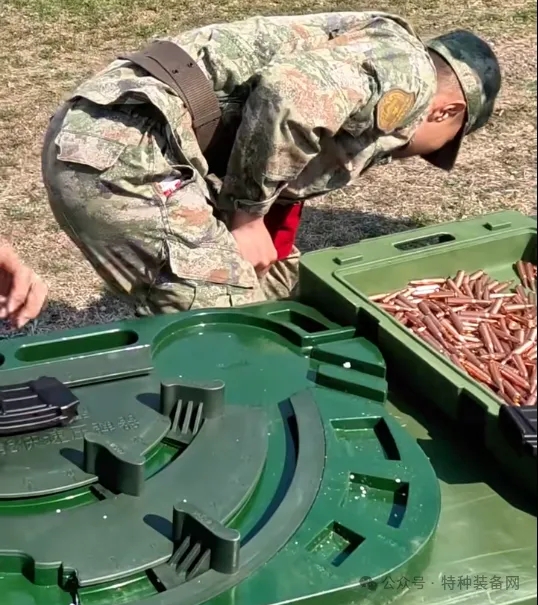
x,y
339,282
244,457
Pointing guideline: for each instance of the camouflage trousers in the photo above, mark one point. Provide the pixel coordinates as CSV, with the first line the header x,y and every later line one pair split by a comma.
x,y
105,169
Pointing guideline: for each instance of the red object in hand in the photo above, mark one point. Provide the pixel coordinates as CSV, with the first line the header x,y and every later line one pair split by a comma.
x,y
282,222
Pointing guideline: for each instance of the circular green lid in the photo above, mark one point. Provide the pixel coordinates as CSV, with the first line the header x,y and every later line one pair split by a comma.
x,y
213,457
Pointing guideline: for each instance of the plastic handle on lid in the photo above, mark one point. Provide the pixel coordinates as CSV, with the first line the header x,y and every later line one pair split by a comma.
x,y
36,405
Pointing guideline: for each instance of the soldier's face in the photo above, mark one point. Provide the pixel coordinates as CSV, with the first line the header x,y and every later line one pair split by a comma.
x,y
442,124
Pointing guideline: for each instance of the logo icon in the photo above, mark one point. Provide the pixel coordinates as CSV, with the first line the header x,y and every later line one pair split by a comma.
x,y
368,583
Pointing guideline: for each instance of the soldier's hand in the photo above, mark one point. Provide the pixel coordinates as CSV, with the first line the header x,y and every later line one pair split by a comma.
x,y
22,292
254,241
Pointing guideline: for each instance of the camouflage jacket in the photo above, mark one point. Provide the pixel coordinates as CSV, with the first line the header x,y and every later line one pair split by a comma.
x,y
319,98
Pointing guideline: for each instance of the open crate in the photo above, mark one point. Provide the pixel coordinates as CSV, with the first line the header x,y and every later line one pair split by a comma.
x,y
339,282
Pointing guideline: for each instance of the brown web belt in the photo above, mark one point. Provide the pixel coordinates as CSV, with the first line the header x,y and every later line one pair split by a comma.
x,y
173,66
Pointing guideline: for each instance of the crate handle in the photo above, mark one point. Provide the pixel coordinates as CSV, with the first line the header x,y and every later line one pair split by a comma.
x,y
389,246
424,241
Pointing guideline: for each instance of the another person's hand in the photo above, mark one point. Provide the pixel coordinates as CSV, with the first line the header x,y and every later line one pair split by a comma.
x,y
254,241
22,292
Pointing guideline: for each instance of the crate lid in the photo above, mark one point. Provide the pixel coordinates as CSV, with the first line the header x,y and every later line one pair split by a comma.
x,y
258,456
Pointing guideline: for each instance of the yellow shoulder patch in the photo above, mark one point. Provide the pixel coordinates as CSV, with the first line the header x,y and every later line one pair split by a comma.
x,y
392,109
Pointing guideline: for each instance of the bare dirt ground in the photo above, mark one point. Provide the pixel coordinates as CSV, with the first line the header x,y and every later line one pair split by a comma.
x,y
48,46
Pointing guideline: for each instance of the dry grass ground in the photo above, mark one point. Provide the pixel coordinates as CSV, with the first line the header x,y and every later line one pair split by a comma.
x,y
48,46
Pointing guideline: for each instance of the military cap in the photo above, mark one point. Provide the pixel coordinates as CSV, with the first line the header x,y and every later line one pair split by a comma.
x,y
478,71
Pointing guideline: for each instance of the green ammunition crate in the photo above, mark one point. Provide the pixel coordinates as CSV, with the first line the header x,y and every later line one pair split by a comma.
x,y
338,282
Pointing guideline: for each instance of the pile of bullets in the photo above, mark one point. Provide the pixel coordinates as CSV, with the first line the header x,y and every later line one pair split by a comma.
x,y
486,327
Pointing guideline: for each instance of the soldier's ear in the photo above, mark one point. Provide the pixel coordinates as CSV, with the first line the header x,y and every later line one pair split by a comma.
x,y
450,110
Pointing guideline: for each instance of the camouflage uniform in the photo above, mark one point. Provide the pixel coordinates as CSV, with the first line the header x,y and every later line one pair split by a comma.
x,y
306,93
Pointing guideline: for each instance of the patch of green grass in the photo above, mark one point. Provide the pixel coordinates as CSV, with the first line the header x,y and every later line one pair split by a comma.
x,y
59,266
84,9
526,15
421,219
18,213
8,112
